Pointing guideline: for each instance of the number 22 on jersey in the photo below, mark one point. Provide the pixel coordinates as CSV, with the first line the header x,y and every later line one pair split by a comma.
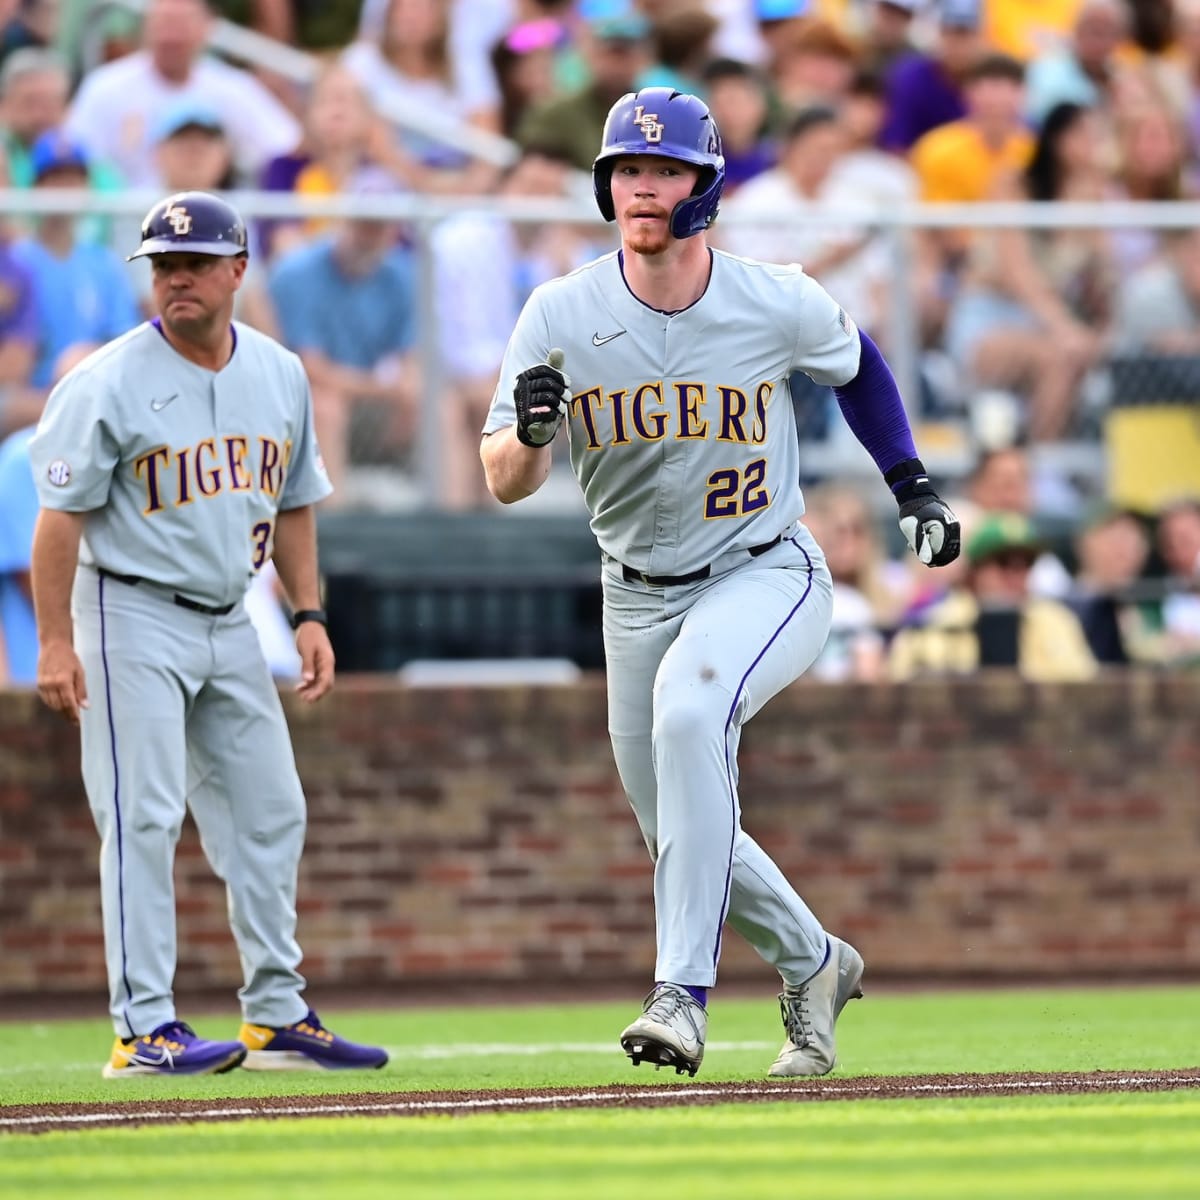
x,y
734,493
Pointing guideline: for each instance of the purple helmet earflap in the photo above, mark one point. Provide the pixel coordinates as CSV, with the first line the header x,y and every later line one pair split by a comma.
x,y
660,120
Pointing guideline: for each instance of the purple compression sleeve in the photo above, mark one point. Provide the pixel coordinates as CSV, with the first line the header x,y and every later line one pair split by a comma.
x,y
871,404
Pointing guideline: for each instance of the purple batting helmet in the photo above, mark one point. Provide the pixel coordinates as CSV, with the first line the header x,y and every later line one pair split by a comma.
x,y
660,120
198,222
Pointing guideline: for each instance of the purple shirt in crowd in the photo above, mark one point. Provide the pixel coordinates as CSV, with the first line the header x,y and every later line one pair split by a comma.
x,y
920,97
18,313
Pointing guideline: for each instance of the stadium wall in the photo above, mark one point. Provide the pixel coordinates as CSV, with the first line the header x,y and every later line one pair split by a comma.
x,y
984,828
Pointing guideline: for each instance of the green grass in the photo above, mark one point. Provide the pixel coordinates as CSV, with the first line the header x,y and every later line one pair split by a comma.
x,y
1138,1147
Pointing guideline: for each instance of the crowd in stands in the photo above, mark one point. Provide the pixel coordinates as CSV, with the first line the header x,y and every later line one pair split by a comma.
x,y
844,109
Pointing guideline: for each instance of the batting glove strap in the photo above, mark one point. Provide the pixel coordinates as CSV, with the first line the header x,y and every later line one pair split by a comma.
x,y
539,396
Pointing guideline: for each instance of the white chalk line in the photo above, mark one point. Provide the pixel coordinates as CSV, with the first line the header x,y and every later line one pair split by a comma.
x,y
664,1096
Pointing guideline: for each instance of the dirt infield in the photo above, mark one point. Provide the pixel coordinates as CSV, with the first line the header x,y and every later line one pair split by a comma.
x,y
42,1118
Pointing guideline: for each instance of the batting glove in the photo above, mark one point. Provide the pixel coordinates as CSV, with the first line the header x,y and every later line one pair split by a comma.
x,y
541,394
927,522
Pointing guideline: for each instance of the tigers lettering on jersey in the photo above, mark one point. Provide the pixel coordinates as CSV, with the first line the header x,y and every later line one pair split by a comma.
x,y
653,411
173,478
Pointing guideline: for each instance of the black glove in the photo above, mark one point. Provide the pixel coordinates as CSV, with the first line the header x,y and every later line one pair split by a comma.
x,y
541,394
927,522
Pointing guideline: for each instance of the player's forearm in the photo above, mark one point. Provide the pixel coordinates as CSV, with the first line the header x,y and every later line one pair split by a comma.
x,y
512,469
55,557
295,557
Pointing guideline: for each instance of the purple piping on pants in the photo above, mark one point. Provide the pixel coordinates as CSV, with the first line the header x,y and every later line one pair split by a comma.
x,y
112,736
728,765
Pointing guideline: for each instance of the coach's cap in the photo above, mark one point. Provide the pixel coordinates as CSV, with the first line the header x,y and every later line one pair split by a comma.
x,y
960,14
186,114
1002,533
55,151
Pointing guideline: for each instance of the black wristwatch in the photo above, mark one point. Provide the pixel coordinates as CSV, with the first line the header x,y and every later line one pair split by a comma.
x,y
309,614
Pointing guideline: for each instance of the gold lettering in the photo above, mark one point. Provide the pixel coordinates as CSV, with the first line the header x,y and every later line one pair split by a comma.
x,y
733,409
208,482
584,405
640,417
690,397
149,461
758,431
236,449
268,466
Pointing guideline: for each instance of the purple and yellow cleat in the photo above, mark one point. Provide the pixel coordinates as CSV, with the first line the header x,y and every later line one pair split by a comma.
x,y
171,1049
305,1046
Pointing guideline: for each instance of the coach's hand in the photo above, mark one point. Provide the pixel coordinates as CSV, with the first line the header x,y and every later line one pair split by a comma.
x,y
316,661
541,394
928,524
60,680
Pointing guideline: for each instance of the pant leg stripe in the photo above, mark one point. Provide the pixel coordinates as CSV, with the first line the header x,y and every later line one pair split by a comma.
x,y
112,738
729,765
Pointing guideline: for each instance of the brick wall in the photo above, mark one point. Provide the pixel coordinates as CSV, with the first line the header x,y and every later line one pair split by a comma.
x,y
984,827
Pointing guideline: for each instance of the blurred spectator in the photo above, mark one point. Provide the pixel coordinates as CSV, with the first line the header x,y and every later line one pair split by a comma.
x,y
485,267
1082,71
883,181
778,21
524,64
347,304
617,50
34,86
117,104
341,132
1158,307
886,38
191,149
682,48
18,515
82,291
738,101
994,621
812,62
18,336
1178,541
1112,549
1188,28
845,260
925,90
963,161
1151,156
1003,481
1027,28
411,70
28,23
1033,311
869,591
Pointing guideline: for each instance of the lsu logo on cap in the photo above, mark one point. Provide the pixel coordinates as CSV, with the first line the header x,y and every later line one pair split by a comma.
x,y
652,129
180,218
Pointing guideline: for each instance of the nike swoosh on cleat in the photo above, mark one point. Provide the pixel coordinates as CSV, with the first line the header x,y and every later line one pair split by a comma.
x,y
143,1059
597,340
159,405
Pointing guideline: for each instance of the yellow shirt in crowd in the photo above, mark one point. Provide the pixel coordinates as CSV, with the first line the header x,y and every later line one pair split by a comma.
x,y
955,165
1027,28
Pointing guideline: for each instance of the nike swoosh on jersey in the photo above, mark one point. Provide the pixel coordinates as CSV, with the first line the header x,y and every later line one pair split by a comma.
x,y
159,405
597,340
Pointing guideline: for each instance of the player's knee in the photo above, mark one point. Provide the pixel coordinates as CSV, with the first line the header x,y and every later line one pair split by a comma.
x,y
687,717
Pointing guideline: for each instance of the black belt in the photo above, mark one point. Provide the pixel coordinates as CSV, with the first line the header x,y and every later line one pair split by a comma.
x,y
209,610
633,576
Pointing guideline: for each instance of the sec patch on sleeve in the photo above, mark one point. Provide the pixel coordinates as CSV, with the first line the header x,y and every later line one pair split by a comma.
x,y
59,472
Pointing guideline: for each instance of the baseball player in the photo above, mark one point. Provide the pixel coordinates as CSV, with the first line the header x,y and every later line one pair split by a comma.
x,y
171,464
716,597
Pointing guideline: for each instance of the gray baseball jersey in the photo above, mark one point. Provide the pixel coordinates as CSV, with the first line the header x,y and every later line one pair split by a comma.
x,y
181,472
180,469
681,426
683,438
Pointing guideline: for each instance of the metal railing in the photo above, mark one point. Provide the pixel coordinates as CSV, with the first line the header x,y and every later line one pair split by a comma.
x,y
422,214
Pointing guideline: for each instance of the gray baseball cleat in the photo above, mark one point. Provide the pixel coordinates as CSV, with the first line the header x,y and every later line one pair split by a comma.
x,y
810,1011
670,1032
